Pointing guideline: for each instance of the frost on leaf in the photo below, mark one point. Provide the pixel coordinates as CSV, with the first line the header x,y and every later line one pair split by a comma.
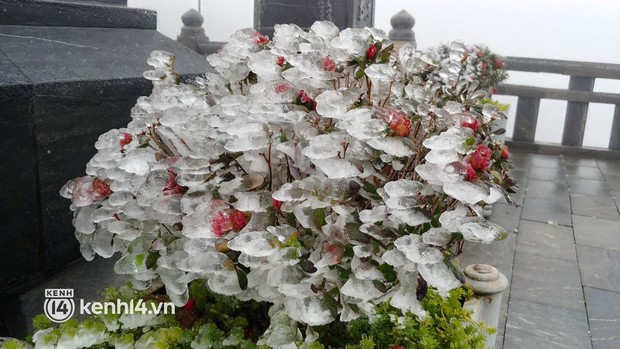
x,y
482,231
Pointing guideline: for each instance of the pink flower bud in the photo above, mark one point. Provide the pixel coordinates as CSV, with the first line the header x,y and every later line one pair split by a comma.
x,y
371,52
329,64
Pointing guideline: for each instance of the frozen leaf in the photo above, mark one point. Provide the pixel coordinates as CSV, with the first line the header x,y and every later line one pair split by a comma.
x,y
395,146
312,311
436,237
376,214
440,276
402,187
363,290
337,168
417,251
482,231
254,244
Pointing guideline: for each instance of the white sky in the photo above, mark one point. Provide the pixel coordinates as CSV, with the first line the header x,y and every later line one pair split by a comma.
x,y
582,30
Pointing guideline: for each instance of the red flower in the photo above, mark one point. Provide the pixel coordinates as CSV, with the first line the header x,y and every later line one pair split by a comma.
x,y
238,219
280,61
399,123
171,186
494,90
220,223
470,174
470,122
303,97
101,188
125,139
484,66
329,64
480,158
282,87
277,204
260,39
396,347
371,52
505,152
499,64
190,305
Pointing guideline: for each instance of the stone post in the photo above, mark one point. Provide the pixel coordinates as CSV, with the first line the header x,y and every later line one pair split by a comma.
x,y
488,284
192,33
402,30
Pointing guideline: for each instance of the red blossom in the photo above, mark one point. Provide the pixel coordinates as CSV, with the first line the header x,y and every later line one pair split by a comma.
x,y
371,52
484,66
125,139
260,39
480,158
329,64
238,219
470,122
171,186
494,90
303,97
190,305
499,64
399,123
280,61
220,223
101,188
505,152
282,87
470,174
277,204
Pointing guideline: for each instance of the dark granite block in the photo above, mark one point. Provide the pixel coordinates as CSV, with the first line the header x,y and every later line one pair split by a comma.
x,y
588,187
546,280
537,326
547,211
604,315
594,206
575,171
599,267
75,14
87,54
553,241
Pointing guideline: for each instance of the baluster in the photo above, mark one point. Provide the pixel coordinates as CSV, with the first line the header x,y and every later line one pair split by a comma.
x,y
576,112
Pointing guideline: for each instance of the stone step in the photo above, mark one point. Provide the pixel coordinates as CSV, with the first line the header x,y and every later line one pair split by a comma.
x,y
84,13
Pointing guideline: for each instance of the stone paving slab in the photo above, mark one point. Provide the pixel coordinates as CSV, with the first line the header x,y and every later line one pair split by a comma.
x,y
547,173
585,172
604,315
545,280
597,232
594,206
599,267
546,210
613,180
536,326
576,161
588,187
542,239
607,166
547,189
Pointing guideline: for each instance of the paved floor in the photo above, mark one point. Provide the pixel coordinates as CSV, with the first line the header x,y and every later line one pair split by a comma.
x,y
563,260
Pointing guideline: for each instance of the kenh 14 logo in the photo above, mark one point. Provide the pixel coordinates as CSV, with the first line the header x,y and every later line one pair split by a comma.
x,y
59,306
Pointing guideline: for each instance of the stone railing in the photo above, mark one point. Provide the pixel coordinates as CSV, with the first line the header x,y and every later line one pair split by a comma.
x,y
579,95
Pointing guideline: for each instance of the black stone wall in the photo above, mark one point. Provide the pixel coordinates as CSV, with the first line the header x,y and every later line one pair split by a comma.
x,y
69,71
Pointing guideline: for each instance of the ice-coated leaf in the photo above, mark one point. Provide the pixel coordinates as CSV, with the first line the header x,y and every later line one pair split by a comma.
x,y
247,143
391,145
333,102
451,220
324,146
253,243
402,187
395,258
411,217
482,231
325,29
363,290
417,251
439,275
312,311
466,192
452,139
441,156
406,296
337,168
376,214
381,72
436,236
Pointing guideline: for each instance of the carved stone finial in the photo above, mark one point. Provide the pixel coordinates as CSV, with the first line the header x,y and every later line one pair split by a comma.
x,y
402,25
192,18
192,33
